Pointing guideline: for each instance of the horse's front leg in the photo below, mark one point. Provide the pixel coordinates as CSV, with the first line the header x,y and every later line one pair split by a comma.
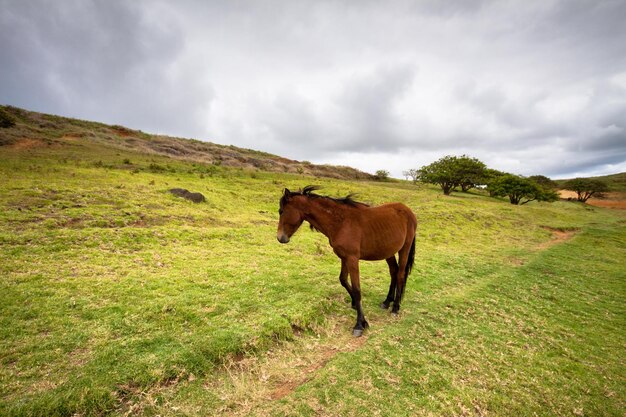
x,y
361,323
343,278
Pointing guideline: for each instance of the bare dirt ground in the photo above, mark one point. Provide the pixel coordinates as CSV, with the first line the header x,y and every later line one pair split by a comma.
x,y
611,200
558,236
320,359
251,382
27,143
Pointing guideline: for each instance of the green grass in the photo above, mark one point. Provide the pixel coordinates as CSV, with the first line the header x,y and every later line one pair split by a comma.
x,y
541,339
616,182
119,297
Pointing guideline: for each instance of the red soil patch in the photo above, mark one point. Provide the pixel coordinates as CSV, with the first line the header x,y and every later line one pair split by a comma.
x,y
122,131
27,143
558,236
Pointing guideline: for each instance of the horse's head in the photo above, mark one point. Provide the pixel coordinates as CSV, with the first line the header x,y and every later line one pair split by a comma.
x,y
291,217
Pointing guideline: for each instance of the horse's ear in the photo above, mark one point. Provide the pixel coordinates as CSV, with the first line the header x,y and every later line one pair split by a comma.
x,y
287,193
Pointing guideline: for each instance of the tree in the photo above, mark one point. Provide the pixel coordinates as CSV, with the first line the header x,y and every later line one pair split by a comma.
x,y
547,186
543,181
520,190
381,175
450,172
471,172
411,173
492,175
441,172
586,187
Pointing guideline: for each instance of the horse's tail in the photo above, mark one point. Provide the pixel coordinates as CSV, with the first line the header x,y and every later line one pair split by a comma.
x,y
409,261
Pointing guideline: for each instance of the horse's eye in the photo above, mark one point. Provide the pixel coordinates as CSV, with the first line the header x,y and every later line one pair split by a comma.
x,y
280,212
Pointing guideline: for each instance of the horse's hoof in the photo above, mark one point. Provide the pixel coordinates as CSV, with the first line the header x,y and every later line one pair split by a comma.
x,y
357,332
384,306
395,313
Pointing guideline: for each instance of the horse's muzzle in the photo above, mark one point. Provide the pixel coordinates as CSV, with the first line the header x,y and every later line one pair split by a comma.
x,y
282,238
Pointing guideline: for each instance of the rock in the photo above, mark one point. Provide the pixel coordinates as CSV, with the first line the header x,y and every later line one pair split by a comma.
x,y
195,197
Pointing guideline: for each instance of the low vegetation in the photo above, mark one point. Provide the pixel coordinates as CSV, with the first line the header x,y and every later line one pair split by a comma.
x,y
381,175
119,298
6,120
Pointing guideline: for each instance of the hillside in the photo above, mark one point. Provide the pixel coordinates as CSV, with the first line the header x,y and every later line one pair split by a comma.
x,y
615,182
34,130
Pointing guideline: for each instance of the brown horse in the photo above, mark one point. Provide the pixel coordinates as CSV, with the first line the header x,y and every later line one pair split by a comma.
x,y
355,231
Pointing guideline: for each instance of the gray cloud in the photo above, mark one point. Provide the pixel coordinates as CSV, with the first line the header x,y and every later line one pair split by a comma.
x,y
529,87
368,104
108,61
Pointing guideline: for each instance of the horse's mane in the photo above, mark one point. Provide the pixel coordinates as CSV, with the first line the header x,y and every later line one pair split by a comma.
x,y
308,192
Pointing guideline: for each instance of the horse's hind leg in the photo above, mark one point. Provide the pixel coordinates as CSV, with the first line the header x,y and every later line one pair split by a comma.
x,y
343,279
403,258
393,272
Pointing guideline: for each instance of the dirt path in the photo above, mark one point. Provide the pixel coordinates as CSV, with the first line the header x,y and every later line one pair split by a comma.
x,y
250,383
558,236
318,360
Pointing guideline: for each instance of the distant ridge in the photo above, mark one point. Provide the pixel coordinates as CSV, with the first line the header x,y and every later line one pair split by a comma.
x,y
31,128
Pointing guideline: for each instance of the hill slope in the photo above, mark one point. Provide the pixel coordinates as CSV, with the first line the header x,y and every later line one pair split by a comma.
x,y
34,129
615,182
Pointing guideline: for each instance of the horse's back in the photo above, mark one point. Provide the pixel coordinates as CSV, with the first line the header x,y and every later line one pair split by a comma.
x,y
395,212
386,229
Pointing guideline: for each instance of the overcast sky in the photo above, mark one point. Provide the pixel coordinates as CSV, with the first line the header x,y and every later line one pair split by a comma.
x,y
528,87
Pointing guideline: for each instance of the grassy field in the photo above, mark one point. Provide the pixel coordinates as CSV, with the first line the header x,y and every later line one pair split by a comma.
x,y
118,298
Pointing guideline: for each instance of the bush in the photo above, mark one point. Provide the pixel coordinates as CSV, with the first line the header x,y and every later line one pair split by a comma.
x,y
156,168
543,181
6,120
381,175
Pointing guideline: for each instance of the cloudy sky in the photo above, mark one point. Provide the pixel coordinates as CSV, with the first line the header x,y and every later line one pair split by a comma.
x,y
529,87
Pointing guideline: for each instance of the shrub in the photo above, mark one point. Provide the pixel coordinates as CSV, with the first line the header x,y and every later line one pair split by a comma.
x,y
156,167
6,120
381,175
